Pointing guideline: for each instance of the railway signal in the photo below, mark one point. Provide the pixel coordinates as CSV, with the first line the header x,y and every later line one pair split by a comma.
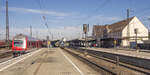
x,y
85,30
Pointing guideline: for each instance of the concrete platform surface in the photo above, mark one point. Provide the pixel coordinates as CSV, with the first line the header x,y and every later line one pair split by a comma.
x,y
52,61
142,55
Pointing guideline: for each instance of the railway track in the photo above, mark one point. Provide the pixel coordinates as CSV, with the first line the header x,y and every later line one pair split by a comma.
x,y
5,54
9,63
94,59
97,67
124,49
8,54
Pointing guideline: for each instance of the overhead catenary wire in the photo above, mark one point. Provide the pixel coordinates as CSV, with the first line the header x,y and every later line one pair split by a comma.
x,y
144,15
143,10
101,6
140,12
39,2
47,25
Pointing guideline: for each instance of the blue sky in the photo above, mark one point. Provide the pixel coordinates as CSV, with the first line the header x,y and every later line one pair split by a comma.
x,y
65,17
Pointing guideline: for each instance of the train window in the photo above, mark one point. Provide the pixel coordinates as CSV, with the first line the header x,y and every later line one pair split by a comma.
x,y
18,43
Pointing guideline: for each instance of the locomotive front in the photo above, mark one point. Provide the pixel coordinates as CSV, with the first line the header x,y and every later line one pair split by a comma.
x,y
19,45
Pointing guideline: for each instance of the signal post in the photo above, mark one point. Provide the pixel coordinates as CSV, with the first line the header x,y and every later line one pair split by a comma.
x,y
85,30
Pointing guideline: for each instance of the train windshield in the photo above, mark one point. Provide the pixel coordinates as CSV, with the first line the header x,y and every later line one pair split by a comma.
x,y
18,43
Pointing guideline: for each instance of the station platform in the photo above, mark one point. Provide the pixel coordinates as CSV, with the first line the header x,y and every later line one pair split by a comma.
x,y
53,61
125,52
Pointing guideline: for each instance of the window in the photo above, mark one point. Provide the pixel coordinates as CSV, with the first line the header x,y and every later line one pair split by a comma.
x,y
18,43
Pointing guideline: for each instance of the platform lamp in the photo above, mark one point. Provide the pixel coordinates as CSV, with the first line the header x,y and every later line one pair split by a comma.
x,y
136,32
148,30
85,30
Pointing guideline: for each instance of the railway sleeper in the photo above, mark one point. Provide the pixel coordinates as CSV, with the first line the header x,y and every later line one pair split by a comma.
x,y
130,67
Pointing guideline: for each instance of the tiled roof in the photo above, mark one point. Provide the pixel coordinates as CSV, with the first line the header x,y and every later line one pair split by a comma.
x,y
98,30
118,26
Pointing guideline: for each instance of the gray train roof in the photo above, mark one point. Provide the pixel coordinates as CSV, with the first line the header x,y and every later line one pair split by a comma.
x,y
21,36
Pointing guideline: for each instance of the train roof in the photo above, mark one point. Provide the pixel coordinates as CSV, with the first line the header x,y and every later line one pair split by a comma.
x,y
21,36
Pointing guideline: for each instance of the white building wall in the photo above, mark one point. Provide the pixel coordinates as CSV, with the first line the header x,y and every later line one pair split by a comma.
x,y
115,35
142,31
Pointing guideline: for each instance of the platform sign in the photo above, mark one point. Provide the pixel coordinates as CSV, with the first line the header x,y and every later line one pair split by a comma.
x,y
115,42
49,42
85,28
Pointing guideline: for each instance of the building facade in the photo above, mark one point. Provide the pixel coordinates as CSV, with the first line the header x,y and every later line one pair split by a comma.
x,y
124,32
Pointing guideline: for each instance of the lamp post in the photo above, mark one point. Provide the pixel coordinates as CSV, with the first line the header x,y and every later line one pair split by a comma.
x,y
148,30
148,19
85,30
136,32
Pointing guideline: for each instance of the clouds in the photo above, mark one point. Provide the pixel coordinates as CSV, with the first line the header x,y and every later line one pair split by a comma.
x,y
71,18
101,19
147,17
61,24
69,32
26,10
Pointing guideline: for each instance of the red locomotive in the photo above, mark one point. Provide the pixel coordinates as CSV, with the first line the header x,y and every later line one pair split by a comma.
x,y
21,43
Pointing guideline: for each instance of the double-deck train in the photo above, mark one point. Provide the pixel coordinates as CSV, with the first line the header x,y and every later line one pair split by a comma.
x,y
22,43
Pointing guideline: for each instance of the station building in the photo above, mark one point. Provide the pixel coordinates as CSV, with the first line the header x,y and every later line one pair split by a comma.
x,y
122,32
